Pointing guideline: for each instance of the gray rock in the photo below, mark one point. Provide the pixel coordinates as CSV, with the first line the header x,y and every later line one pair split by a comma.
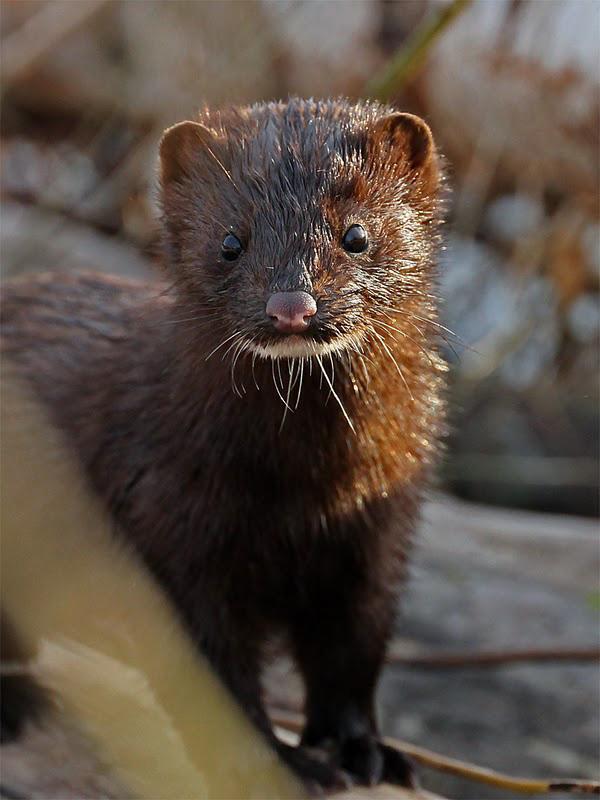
x,y
493,580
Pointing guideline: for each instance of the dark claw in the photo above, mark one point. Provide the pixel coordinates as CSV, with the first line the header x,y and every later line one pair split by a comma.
x,y
316,773
370,761
397,768
363,759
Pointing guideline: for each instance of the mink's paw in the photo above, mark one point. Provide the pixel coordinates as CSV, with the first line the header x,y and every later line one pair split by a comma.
x,y
398,768
370,761
316,772
363,759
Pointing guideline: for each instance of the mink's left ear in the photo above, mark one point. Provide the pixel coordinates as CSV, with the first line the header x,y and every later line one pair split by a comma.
x,y
407,140
182,147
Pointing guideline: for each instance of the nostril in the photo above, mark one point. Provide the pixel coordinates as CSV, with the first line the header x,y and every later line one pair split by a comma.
x,y
291,312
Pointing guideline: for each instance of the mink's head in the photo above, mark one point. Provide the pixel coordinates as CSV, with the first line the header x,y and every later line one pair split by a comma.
x,y
289,226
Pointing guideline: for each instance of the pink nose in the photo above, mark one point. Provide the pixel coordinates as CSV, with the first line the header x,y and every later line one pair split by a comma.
x,y
290,312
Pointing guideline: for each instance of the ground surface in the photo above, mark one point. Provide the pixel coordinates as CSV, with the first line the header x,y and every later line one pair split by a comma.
x,y
489,579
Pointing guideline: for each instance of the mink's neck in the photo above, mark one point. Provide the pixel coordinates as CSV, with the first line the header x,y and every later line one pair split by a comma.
x,y
360,416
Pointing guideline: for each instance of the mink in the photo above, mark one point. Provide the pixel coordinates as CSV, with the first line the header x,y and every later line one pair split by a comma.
x,y
261,420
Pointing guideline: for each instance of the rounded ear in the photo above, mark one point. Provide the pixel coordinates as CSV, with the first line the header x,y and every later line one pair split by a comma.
x,y
407,138
180,147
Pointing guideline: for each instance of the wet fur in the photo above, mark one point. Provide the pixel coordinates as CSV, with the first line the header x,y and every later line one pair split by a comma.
x,y
262,519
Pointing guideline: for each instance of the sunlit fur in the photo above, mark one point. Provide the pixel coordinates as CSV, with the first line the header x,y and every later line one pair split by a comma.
x,y
289,179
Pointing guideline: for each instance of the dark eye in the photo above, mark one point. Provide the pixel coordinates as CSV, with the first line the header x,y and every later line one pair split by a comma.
x,y
231,248
355,239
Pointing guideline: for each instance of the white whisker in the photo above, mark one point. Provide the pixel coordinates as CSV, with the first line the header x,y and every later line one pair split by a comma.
x,y
242,345
219,346
291,370
254,357
334,393
389,352
301,370
277,389
406,336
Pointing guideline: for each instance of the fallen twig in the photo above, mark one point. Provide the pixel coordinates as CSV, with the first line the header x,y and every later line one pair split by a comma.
x,y
427,758
494,658
498,779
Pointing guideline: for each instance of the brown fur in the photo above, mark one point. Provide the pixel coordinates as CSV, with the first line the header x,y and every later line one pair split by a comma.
x,y
259,520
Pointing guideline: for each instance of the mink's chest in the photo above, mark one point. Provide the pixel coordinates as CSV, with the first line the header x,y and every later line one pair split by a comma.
x,y
235,499
222,490
209,527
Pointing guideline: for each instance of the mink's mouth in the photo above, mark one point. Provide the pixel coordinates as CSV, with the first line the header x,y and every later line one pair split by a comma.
x,y
302,346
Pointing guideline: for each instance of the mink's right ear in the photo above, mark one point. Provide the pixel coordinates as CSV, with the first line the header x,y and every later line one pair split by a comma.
x,y
180,149
406,141
407,138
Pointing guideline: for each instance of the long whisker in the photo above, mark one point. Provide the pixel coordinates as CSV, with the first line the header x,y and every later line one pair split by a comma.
x,y
277,389
334,393
332,373
422,333
196,318
295,372
240,349
301,371
291,370
179,321
438,325
362,357
406,336
254,357
232,346
219,346
279,375
395,363
435,324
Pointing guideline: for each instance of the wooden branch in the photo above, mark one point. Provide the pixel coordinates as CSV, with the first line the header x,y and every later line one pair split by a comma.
x,y
494,658
472,772
427,758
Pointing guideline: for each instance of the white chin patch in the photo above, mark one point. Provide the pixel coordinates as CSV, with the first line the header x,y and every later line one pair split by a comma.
x,y
301,347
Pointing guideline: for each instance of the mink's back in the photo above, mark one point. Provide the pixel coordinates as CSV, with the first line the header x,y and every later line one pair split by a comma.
x,y
60,332
43,313
81,344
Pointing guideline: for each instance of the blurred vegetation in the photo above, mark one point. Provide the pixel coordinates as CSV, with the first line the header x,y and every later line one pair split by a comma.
x,y
130,688
511,92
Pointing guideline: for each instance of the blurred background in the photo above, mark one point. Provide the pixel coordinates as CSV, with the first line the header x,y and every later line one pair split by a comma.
x,y
511,91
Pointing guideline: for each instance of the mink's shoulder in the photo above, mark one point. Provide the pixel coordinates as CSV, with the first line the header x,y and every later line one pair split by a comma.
x,y
41,306
66,333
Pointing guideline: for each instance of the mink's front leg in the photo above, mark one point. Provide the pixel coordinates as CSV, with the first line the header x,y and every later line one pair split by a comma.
x,y
340,648
231,644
